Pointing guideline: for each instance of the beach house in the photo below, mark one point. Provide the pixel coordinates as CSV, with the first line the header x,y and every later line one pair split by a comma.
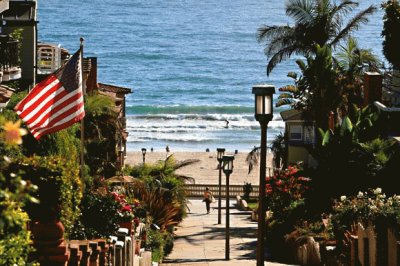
x,y
18,37
378,89
299,135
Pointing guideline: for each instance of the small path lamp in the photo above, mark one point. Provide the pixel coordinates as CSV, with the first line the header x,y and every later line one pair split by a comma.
x,y
144,155
220,154
263,114
228,168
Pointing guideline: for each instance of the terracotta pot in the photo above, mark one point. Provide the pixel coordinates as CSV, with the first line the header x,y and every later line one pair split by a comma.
x,y
47,231
127,225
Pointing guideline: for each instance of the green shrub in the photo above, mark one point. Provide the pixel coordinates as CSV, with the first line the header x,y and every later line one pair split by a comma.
x,y
14,236
99,216
60,189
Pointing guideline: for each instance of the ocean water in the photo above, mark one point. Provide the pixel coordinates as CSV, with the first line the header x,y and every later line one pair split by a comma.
x,y
191,64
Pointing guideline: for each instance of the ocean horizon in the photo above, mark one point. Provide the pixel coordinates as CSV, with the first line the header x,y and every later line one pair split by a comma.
x,y
191,64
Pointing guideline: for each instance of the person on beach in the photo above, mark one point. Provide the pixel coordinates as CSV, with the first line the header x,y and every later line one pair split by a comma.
x,y
207,198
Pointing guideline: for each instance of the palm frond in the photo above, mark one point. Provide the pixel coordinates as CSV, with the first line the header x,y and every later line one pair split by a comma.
x,y
300,10
184,163
266,32
285,96
353,24
343,8
289,88
185,178
292,75
253,157
282,102
282,54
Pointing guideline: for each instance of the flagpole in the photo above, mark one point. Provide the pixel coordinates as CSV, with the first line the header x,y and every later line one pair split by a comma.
x,y
82,120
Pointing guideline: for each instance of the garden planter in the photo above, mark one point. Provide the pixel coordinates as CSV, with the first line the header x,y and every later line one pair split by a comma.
x,y
51,233
308,253
127,225
48,240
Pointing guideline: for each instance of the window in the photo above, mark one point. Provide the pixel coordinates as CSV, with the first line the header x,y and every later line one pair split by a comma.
x,y
296,132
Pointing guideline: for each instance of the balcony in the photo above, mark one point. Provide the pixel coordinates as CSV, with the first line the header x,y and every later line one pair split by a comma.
x,y
9,59
48,58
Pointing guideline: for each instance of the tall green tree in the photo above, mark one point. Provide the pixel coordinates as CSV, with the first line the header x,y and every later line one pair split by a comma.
x,y
390,33
315,91
316,22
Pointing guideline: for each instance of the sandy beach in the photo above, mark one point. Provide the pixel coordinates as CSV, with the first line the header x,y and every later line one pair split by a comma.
x,y
205,171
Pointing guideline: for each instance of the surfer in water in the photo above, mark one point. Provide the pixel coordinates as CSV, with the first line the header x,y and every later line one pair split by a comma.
x,y
227,123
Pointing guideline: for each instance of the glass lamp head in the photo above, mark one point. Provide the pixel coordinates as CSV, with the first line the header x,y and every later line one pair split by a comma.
x,y
220,154
263,102
228,163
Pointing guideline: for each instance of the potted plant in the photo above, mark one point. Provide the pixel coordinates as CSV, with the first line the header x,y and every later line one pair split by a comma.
x,y
247,189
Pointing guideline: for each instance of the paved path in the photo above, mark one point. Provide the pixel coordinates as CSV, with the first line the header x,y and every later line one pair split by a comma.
x,y
200,240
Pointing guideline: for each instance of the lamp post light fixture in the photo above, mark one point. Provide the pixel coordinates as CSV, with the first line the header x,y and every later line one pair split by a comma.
x,y
220,154
144,155
263,114
228,168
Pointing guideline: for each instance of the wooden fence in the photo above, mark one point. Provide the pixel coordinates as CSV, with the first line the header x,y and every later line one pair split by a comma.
x,y
197,190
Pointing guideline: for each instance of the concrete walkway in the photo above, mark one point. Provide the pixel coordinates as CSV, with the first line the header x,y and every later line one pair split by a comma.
x,y
200,240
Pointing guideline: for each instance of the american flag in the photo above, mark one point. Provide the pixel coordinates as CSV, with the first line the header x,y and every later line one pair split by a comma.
x,y
56,102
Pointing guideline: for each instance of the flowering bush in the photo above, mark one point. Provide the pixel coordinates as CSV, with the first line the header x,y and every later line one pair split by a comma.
x,y
371,207
285,188
125,211
366,207
285,199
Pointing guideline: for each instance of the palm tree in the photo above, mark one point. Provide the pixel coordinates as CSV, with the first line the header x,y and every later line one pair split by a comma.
x,y
316,22
350,59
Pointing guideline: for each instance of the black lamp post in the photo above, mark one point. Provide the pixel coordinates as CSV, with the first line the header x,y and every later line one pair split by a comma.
x,y
263,114
228,168
220,154
144,155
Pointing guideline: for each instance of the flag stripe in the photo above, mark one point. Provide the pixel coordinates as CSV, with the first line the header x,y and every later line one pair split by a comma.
x,y
56,102
44,114
69,106
36,107
60,120
35,91
65,125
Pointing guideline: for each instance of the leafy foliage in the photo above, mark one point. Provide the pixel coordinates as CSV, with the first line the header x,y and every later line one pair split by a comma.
x,y
99,216
355,147
15,192
391,27
316,22
101,136
162,191
60,189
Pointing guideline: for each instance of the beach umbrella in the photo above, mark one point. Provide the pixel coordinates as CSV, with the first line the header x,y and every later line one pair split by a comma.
x,y
121,179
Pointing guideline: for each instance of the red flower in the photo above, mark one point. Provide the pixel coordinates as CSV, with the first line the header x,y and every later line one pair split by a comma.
x,y
126,208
